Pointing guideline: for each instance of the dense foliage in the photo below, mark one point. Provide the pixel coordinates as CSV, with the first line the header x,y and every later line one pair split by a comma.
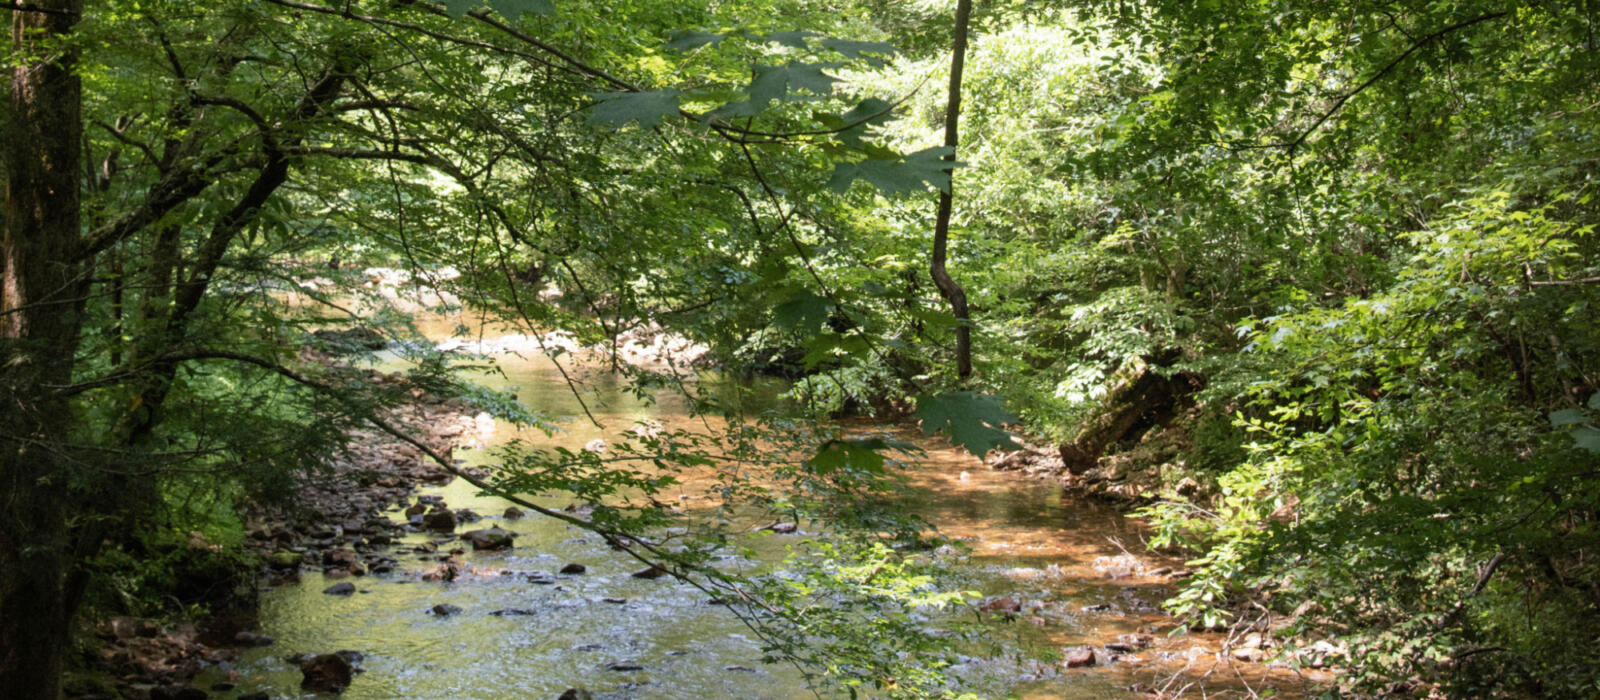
x,y
1361,235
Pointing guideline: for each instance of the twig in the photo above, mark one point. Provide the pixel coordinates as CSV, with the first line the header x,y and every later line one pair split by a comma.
x,y
1424,41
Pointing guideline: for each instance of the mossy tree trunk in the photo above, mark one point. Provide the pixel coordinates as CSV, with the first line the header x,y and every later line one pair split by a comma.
x,y
1140,399
42,283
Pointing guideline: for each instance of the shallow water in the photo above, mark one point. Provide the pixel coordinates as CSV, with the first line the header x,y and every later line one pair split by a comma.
x,y
1028,540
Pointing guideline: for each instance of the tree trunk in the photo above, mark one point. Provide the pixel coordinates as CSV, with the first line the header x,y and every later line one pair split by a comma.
x,y
948,287
42,280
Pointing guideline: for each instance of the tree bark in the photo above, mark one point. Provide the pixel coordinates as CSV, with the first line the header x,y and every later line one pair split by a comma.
x,y
948,287
42,279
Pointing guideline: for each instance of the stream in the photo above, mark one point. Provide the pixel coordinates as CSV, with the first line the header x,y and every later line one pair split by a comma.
x,y
1061,558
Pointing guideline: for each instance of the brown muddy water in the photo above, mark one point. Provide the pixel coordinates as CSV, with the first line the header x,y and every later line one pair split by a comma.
x,y
1062,559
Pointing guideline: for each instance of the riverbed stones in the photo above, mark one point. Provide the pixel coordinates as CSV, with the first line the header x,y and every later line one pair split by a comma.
x,y
650,573
284,560
574,569
440,520
346,559
345,588
252,639
489,539
1247,654
445,609
1005,605
514,513
326,673
1137,641
1082,657
576,694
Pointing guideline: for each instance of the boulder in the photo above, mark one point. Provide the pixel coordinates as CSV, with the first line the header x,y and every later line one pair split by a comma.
x,y
342,558
576,694
652,572
1004,605
445,609
1079,658
573,569
326,673
345,588
1137,641
489,539
439,521
251,639
514,513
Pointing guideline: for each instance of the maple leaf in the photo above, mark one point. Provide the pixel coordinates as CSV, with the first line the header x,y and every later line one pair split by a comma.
x,y
968,419
515,9
647,107
904,175
685,39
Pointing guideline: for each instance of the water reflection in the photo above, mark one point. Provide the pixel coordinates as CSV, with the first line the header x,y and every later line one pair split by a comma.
x,y
527,631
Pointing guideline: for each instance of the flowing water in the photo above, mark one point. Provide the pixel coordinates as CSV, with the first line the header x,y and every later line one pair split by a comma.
x,y
625,637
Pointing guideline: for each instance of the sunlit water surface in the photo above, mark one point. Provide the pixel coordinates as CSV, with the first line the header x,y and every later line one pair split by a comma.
x,y
1028,540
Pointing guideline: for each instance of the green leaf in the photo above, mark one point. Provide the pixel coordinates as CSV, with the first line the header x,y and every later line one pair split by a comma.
x,y
1594,401
863,455
683,40
648,108
873,111
803,311
831,346
796,39
837,454
1587,438
782,82
855,49
968,419
910,174
1569,416
459,8
515,9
